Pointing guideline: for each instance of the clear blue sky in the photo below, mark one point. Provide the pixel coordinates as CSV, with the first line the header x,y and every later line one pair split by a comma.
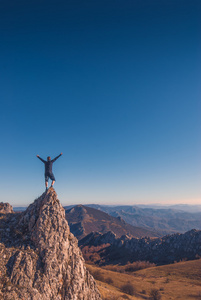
x,y
115,86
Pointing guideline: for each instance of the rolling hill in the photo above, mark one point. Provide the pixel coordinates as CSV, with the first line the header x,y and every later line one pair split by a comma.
x,y
176,281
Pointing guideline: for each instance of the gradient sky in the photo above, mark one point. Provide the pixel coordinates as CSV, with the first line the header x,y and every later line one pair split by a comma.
x,y
115,86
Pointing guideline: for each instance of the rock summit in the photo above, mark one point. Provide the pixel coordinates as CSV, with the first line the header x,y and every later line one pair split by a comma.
x,y
40,258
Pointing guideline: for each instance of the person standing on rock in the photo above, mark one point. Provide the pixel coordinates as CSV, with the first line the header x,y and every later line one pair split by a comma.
x,y
48,169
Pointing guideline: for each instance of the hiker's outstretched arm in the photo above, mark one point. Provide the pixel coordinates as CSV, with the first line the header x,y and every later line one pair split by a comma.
x,y
41,158
57,157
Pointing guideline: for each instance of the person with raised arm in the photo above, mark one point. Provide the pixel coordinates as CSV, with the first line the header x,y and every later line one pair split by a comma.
x,y
48,169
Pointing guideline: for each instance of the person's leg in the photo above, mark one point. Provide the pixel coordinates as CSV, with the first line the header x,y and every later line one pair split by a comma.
x,y
46,181
53,181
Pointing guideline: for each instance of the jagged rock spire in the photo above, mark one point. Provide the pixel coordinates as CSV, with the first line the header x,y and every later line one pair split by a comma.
x,y
44,262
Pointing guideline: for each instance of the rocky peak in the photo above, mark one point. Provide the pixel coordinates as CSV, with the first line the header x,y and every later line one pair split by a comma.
x,y
121,220
97,238
40,258
5,208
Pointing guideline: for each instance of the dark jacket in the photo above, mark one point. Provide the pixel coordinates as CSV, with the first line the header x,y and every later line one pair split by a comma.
x,y
48,164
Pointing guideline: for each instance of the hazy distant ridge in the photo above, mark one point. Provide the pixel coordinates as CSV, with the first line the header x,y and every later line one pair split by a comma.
x,y
165,220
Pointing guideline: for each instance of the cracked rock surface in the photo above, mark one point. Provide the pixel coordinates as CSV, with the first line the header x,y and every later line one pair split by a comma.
x,y
40,258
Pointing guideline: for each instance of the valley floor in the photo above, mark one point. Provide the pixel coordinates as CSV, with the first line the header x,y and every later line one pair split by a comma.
x,y
177,281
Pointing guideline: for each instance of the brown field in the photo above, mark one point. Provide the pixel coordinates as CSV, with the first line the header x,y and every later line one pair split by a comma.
x,y
177,281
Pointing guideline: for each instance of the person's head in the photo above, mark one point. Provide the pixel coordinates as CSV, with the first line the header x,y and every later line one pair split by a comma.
x,y
48,158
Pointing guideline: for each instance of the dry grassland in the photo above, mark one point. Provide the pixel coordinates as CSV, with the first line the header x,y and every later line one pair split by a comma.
x,y
177,281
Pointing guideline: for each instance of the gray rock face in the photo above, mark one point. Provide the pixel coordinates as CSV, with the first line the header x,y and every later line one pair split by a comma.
x,y
5,208
40,258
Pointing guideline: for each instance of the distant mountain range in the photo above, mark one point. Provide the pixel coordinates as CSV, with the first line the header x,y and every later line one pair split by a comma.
x,y
163,220
158,220
83,220
181,207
